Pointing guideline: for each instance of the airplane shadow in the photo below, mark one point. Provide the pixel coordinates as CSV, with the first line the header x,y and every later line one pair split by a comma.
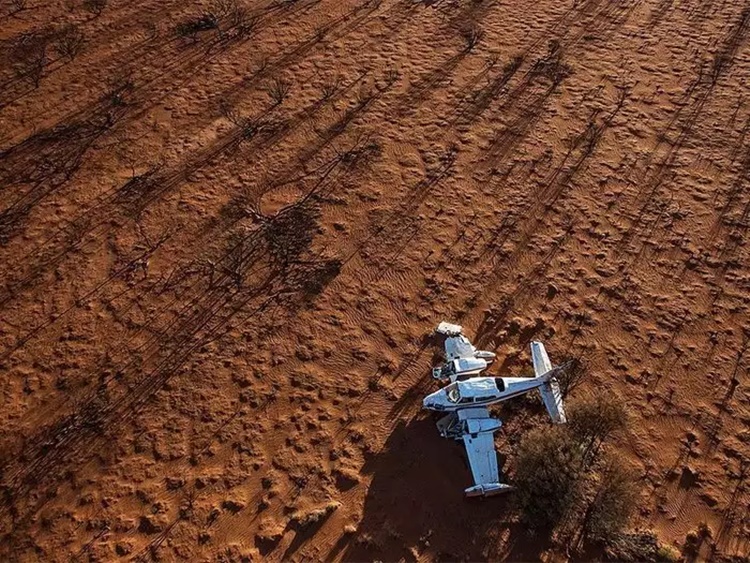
x,y
415,504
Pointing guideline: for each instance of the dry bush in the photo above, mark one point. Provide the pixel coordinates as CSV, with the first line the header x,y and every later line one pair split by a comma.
x,y
329,88
246,25
290,232
29,56
278,90
472,37
639,546
232,114
95,7
546,479
390,77
247,127
551,65
118,88
593,420
18,6
69,41
362,154
612,505
574,371
234,15
190,28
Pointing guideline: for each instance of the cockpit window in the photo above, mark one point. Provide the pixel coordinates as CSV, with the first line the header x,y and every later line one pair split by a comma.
x,y
500,384
453,394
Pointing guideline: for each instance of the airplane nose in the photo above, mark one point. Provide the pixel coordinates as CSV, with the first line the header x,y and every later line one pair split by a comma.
x,y
431,404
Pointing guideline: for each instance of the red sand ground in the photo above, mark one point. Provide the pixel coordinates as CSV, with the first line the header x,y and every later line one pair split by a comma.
x,y
215,293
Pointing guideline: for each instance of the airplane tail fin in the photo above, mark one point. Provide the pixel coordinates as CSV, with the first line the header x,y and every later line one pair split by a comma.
x,y
550,389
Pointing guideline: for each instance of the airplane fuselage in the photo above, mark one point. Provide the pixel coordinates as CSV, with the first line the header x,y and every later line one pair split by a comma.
x,y
480,392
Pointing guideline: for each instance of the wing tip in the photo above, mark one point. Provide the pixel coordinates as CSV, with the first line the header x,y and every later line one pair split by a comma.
x,y
487,490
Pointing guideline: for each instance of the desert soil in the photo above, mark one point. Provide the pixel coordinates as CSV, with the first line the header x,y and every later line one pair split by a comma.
x,y
222,255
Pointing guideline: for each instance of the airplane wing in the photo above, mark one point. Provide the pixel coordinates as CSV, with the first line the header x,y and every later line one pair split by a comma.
x,y
456,344
480,447
457,347
482,457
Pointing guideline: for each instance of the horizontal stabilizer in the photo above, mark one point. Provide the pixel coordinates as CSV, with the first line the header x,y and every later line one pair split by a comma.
x,y
552,398
550,389
540,359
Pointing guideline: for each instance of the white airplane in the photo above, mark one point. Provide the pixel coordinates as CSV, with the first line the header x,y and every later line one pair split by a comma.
x,y
470,421
463,358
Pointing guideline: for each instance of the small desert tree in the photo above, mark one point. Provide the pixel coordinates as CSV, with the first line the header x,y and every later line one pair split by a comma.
x,y
574,371
232,15
472,36
69,41
593,420
614,501
29,56
329,89
546,479
278,90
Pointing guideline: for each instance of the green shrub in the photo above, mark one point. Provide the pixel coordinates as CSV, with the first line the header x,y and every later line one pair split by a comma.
x,y
614,501
546,479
